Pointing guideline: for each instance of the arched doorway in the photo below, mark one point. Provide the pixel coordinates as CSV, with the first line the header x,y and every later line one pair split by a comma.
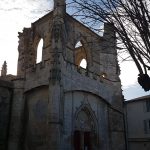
x,y
84,130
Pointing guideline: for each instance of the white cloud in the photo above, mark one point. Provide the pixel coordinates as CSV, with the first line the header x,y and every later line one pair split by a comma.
x,y
129,74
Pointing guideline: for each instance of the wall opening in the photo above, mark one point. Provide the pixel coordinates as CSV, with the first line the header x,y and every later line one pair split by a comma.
x,y
78,44
39,51
83,63
103,75
80,55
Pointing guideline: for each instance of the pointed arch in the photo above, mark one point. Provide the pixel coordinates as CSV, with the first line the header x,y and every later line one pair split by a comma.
x,y
39,51
85,108
82,51
80,55
85,128
84,120
37,47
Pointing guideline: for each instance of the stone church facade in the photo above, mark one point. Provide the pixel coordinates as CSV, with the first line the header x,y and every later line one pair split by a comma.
x,y
56,104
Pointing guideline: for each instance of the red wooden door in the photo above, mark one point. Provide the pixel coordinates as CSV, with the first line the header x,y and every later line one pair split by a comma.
x,y
77,141
87,141
82,140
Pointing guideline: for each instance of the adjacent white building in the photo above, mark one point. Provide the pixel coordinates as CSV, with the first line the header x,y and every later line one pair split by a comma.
x,y
138,123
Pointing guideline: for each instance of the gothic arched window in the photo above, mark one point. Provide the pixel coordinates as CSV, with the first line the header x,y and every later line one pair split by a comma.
x,y
80,55
39,51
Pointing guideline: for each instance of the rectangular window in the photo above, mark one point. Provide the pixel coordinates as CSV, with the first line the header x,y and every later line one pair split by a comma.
x,y
147,126
148,105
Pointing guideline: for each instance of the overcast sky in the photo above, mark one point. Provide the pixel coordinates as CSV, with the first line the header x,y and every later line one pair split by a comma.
x,y
17,14
14,15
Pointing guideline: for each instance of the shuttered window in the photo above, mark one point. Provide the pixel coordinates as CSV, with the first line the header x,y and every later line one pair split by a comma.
x,y
146,126
148,105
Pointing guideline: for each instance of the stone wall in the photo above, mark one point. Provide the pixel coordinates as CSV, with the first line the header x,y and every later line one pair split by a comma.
x,y
35,127
5,107
76,105
52,97
116,129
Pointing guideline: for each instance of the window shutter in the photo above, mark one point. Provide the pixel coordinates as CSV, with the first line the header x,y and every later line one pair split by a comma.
x,y
144,106
145,126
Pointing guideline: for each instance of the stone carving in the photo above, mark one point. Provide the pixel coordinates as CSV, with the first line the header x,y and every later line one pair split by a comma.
x,y
55,72
57,31
55,75
84,121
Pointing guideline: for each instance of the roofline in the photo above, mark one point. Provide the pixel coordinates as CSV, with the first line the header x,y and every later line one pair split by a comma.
x,y
67,15
142,98
100,37
42,18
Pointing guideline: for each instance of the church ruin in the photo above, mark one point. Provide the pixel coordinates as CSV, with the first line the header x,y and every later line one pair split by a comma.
x,y
56,104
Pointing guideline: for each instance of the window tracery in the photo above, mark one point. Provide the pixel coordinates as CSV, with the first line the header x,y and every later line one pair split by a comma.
x,y
80,55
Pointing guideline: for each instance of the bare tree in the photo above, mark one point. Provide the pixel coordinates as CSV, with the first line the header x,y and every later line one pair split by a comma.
x,y
131,19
